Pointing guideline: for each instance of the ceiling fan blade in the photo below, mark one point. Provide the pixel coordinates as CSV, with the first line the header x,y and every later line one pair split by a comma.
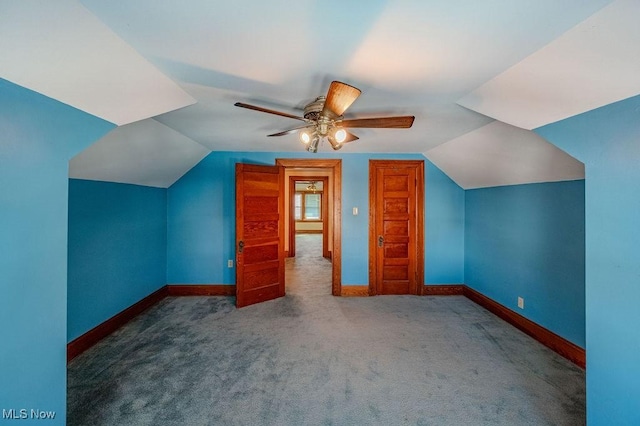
x,y
350,137
288,132
402,122
269,111
339,97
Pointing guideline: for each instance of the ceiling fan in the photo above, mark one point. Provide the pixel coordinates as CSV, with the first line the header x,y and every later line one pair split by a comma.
x,y
324,118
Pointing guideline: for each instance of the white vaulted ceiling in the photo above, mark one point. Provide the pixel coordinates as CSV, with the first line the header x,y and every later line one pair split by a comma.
x,y
456,66
594,64
60,49
124,156
500,154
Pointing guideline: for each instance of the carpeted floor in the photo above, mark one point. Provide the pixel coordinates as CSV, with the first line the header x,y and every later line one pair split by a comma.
x,y
313,359
308,274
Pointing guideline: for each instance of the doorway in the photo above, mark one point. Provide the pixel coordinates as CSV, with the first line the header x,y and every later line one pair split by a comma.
x,y
332,171
309,211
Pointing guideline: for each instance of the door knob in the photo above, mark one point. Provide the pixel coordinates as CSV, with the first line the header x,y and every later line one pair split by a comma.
x,y
240,246
380,240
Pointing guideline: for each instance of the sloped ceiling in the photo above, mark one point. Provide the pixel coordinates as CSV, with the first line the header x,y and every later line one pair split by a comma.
x,y
61,50
594,64
500,154
128,61
408,57
124,156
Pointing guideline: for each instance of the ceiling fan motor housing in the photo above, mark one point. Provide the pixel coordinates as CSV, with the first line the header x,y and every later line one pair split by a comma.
x,y
313,109
324,119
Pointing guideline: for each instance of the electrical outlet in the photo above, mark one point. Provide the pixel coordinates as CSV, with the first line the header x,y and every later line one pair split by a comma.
x,y
520,303
229,263
355,211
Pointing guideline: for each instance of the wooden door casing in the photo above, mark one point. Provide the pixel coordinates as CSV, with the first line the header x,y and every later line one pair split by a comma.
x,y
259,233
334,166
396,227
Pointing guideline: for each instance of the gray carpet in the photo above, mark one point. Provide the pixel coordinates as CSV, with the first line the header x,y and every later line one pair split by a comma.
x,y
314,359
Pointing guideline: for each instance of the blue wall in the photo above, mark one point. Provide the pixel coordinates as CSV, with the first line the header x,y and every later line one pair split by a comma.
x,y
117,249
201,219
444,228
607,140
528,241
38,137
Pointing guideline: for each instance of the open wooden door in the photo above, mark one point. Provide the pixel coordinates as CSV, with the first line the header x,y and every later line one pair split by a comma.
x,y
259,233
396,233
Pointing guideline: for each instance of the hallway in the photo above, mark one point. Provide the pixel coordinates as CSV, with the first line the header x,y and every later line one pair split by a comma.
x,y
308,274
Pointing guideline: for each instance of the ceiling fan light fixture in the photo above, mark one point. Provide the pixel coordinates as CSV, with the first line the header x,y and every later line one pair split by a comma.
x,y
305,137
340,135
313,145
334,143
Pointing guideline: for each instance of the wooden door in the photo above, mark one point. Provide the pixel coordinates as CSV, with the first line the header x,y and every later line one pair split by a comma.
x,y
259,233
396,235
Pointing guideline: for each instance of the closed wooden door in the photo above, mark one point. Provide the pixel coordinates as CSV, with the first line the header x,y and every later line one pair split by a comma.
x,y
396,230
259,233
